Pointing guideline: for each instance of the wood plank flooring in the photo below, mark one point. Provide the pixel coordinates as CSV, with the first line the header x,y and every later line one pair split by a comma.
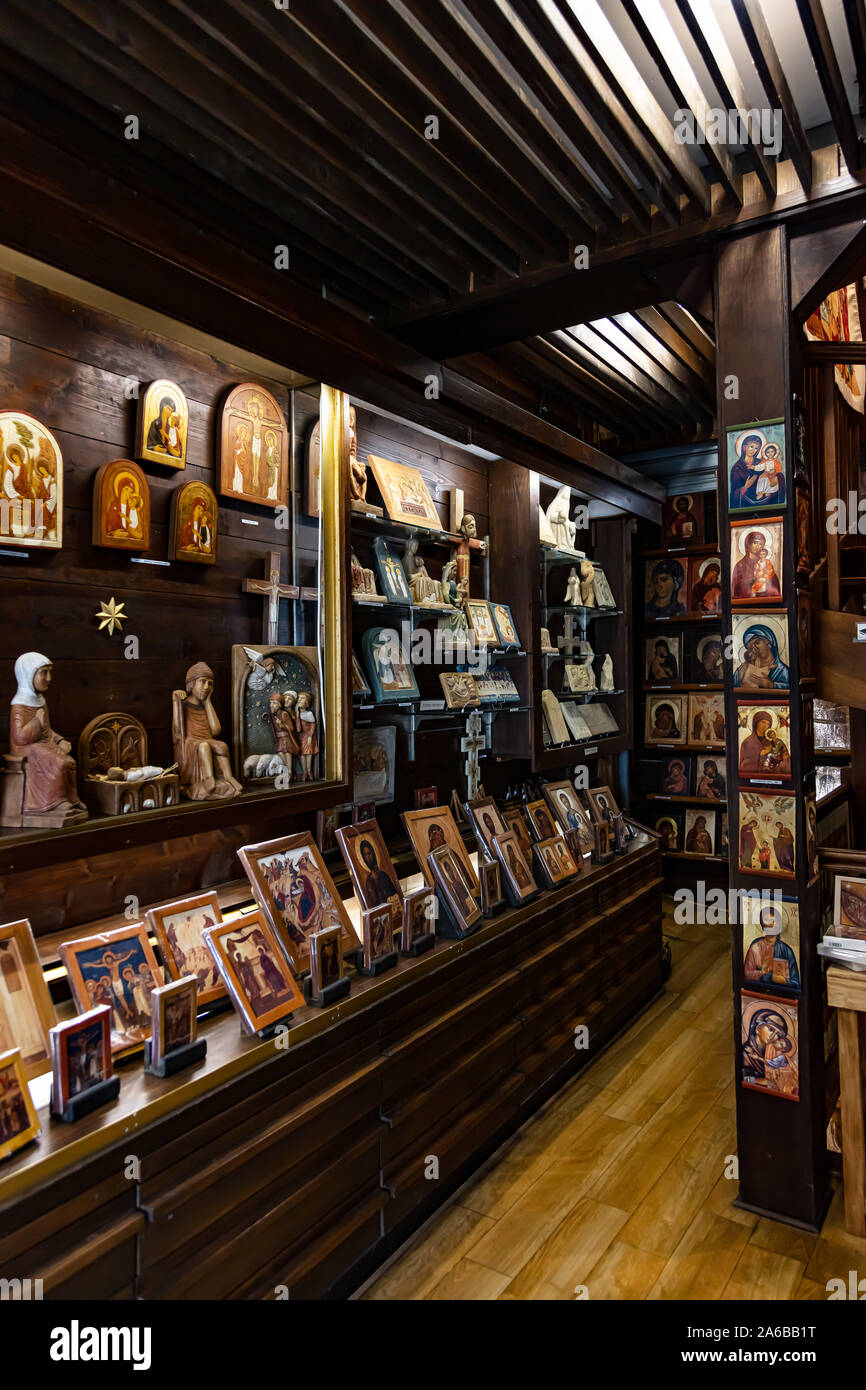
x,y
617,1188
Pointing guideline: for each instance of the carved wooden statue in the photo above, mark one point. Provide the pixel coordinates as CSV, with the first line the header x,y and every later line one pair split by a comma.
x,y
587,584
40,788
204,761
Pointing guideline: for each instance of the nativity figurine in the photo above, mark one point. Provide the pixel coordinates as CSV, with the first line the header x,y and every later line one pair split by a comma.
x,y
426,592
572,591
204,761
364,582
308,736
40,788
606,678
561,526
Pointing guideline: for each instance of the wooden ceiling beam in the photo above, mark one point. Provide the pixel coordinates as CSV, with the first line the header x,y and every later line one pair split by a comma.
x,y
762,51
600,359
613,59
402,66
544,361
507,28
706,34
827,65
50,107
495,85
657,337
660,183
823,260
332,62
660,40
654,376
403,174
690,330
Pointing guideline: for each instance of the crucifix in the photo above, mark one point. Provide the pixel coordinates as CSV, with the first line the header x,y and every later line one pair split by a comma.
x,y
472,744
272,590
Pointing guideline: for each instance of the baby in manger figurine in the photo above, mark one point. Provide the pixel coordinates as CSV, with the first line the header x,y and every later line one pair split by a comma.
x,y
204,762
50,790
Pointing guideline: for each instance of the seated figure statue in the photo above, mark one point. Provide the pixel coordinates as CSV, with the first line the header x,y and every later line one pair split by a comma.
x,y
204,761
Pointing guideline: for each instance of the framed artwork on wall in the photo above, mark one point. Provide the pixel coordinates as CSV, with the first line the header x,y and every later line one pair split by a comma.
x,y
756,466
761,651
769,1044
764,738
756,562
253,440
405,494
771,943
31,483
121,506
705,584
162,425
388,666
665,588
666,720
768,833
683,519
675,775
194,524
707,719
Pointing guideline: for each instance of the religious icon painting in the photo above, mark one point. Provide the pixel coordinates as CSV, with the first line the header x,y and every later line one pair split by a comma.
x,y
516,869
377,926
420,914
706,665
448,878
771,942
515,822
669,830
666,717
602,805
121,506
253,447
664,660
31,483
388,666
174,1018
812,860
423,797
374,754
849,905
194,524
163,425
683,519
363,811
429,830
478,612
257,977
756,467
117,968
756,562
541,819
665,589
506,632
360,685
768,833
392,576
296,894
313,469
706,719
764,738
487,823
491,886
405,494
769,1044
705,584
26,1011
19,1123
804,633
675,772
555,861
369,863
80,1056
563,801
699,831
711,779
326,959
460,689
178,928
276,715
761,652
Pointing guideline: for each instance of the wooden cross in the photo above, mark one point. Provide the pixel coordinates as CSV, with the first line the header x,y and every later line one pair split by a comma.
x,y
473,744
271,589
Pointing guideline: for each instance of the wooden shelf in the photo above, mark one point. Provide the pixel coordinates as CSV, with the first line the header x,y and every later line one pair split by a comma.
x,y
695,858
687,618
656,689
684,748
676,550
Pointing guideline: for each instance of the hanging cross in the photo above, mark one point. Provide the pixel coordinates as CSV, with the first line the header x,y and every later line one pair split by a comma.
x,y
472,744
273,590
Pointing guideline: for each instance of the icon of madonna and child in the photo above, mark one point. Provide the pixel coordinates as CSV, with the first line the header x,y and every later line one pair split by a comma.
x,y
756,467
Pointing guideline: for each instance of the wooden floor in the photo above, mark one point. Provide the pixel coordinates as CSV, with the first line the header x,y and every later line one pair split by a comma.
x,y
618,1187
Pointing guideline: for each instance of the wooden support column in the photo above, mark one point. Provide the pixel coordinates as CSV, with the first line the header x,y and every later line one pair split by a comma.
x,y
780,1142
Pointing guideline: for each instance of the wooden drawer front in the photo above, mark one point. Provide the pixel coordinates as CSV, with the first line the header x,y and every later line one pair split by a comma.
x,y
326,1253
455,1140
231,1248
186,1200
94,1258
408,1117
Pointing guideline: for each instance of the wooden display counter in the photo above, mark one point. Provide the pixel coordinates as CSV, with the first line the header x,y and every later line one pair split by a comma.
x,y
299,1167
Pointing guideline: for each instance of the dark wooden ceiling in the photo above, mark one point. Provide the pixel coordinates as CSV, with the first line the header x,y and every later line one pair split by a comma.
x,y
306,125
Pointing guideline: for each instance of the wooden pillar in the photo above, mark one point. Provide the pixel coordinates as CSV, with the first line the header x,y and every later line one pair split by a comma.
x,y
780,1141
